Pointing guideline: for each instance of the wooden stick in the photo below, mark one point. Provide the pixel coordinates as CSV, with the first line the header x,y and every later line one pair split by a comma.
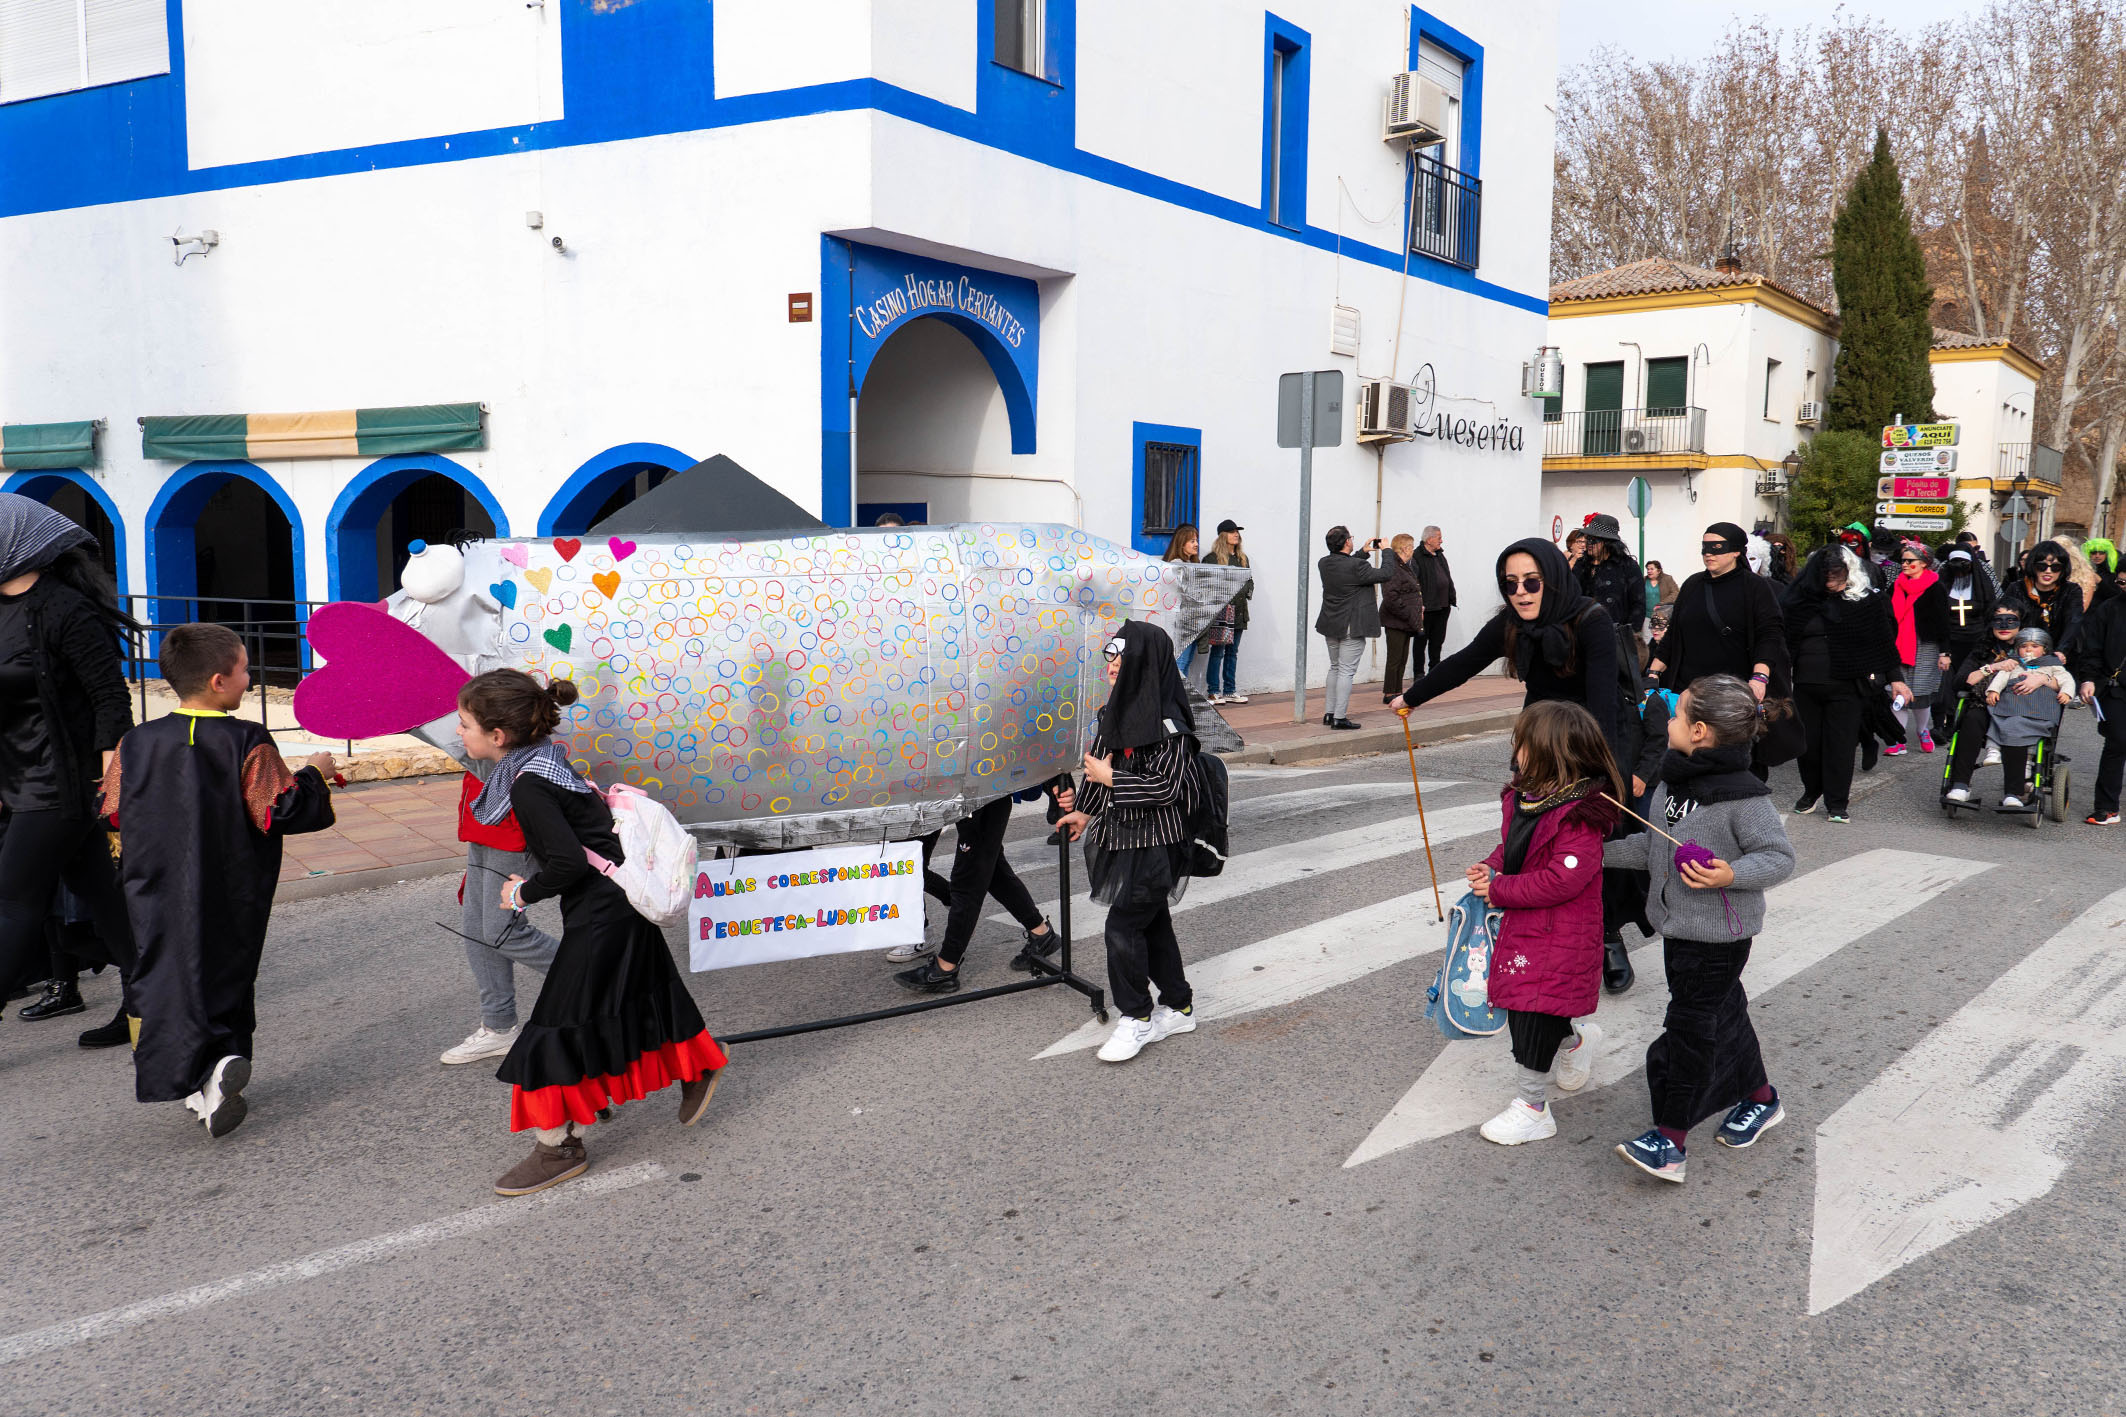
x,y
1410,747
1636,817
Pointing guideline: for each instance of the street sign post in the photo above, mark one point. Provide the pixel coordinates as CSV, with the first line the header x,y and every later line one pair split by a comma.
x,y
1912,509
1919,435
1942,459
1638,496
1309,416
1916,523
1931,489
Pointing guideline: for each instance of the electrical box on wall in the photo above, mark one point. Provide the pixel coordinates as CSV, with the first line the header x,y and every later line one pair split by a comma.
x,y
1343,330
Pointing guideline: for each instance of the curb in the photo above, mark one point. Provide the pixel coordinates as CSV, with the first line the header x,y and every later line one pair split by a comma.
x,y
331,883
1322,748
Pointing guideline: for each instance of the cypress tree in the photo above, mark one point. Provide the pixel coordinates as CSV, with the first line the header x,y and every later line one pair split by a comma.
x,y
1880,275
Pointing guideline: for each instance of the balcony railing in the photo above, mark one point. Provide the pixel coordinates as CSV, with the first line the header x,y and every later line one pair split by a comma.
x,y
1446,212
1624,433
2032,460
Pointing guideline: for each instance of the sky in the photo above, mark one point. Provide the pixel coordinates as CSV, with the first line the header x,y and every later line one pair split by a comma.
x,y
1689,29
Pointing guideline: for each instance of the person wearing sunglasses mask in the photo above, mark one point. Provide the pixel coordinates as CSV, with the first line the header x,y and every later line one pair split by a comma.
x,y
1727,621
2042,594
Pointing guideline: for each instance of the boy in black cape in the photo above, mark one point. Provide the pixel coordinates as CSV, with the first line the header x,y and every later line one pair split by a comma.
x,y
201,801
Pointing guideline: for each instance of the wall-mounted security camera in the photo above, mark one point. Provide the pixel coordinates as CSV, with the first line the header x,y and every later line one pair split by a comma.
x,y
182,245
559,246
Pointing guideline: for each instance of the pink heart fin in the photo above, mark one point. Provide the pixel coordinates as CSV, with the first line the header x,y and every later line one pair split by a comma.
x,y
379,676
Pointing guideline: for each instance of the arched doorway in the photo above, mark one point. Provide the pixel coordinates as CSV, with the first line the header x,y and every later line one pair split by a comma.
x,y
76,496
608,482
931,413
392,503
225,545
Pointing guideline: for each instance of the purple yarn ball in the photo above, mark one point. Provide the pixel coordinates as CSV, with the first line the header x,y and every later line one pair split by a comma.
x,y
1692,854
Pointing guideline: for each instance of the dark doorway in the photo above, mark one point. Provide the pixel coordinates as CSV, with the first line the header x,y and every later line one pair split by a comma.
x,y
430,510
636,481
83,511
244,568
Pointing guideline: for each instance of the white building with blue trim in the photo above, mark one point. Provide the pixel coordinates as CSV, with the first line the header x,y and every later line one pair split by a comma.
x,y
1007,260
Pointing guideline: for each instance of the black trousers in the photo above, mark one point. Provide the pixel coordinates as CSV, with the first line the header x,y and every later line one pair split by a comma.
x,y
1436,636
2112,766
1536,1038
1142,951
1830,716
40,850
1706,1059
1970,741
979,870
1399,646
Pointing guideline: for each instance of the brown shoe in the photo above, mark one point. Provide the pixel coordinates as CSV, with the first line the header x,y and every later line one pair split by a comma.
x,y
694,1096
546,1166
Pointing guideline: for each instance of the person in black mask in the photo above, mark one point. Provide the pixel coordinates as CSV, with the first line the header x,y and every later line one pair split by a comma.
x,y
1132,815
1727,621
1554,639
1844,642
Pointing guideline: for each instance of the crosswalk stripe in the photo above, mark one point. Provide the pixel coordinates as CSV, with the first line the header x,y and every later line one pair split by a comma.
x,y
1298,962
1910,1164
1276,866
1807,919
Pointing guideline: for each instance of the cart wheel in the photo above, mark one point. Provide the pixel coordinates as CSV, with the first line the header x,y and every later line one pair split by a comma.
x,y
1100,1014
2034,818
2062,798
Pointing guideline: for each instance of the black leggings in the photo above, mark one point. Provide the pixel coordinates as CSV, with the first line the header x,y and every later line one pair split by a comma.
x,y
1706,1059
38,851
980,870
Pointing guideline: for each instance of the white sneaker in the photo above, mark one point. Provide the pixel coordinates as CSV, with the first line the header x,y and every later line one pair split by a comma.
x,y
221,1101
1167,1022
1215,699
908,954
1236,698
483,1042
1519,1123
1575,1065
1128,1040
2012,802
1959,793
1992,758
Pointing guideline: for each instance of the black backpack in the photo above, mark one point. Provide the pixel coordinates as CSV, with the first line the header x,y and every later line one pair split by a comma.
x,y
1204,798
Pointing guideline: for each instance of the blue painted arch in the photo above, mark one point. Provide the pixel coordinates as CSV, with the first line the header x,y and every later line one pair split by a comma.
x,y
41,485
351,526
570,511
1011,377
173,567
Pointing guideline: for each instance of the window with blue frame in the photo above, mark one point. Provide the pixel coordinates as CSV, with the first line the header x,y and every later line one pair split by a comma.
x,y
1284,123
1167,486
1019,32
1447,192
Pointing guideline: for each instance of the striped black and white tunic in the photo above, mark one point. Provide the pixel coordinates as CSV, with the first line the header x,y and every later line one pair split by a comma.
x,y
1148,804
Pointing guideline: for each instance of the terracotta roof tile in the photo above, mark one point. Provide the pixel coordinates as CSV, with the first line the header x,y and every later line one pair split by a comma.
x,y
1658,275
1957,339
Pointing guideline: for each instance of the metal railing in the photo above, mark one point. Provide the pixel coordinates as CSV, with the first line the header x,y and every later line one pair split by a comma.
x,y
275,635
2032,460
1446,212
1624,432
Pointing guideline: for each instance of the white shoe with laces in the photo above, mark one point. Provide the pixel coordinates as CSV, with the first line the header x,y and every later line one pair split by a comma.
x,y
1130,1037
1167,1022
1519,1123
1959,793
1992,758
1236,698
1574,1066
484,1042
2012,803
911,952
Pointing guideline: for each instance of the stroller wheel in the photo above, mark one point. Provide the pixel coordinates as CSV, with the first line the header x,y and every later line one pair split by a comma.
x,y
2060,799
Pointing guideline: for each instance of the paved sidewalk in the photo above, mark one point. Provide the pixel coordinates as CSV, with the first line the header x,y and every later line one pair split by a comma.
x,y
1483,705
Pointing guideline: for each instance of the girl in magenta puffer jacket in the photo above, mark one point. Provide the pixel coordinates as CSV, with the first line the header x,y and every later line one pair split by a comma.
x,y
1546,874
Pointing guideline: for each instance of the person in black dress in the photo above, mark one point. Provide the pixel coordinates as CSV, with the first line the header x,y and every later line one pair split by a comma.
x,y
1844,642
1727,621
614,1021
1969,593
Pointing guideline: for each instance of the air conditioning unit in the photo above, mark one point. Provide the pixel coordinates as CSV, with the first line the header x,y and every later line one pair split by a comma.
x,y
1642,440
1811,412
1771,482
1385,410
1415,111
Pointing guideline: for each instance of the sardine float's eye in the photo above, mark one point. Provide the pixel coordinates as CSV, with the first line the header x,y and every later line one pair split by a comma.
x,y
1113,648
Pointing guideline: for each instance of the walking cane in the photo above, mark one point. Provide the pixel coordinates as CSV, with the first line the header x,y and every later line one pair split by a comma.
x,y
1410,747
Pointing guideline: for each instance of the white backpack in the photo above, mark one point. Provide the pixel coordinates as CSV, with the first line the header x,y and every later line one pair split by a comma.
x,y
658,874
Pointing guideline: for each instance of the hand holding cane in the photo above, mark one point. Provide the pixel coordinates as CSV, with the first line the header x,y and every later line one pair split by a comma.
x,y
1410,747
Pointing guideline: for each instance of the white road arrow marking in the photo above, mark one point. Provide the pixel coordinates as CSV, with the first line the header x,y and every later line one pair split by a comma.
x,y
1299,962
1978,1120
1807,919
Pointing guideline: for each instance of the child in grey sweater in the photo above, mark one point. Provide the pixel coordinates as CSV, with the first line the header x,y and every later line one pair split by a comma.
x,y
1708,910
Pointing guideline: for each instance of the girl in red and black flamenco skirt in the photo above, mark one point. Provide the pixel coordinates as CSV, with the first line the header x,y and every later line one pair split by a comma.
x,y
614,1021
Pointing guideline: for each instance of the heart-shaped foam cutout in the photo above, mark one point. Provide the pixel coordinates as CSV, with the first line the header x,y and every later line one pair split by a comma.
x,y
621,549
540,577
505,594
566,547
380,675
607,582
516,556
559,637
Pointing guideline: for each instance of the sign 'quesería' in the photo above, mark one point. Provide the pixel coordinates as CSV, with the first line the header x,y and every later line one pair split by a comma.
x,y
1473,433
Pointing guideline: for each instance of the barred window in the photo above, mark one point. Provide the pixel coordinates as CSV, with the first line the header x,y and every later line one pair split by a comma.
x,y
1169,488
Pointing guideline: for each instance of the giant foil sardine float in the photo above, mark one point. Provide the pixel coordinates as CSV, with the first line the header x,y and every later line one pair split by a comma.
x,y
792,690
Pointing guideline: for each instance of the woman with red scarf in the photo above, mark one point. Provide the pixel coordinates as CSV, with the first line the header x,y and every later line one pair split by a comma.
x,y
1921,604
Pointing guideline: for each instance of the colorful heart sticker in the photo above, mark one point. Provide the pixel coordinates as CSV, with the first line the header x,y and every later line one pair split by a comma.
x,y
516,556
380,675
607,582
505,594
540,577
559,637
621,549
566,547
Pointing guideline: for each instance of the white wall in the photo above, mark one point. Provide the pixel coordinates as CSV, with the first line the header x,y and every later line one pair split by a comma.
x,y
267,79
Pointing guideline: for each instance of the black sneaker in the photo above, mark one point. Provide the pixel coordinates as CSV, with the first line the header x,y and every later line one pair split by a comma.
x,y
927,978
1806,805
61,997
115,1034
1042,948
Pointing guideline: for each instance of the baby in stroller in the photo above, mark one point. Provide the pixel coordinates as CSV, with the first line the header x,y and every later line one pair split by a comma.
x,y
2024,699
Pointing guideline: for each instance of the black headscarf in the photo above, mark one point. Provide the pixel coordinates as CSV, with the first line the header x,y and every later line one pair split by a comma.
x,y
1149,701
1553,632
1736,538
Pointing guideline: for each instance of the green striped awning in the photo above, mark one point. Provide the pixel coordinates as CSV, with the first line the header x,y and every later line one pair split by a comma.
x,y
341,433
26,446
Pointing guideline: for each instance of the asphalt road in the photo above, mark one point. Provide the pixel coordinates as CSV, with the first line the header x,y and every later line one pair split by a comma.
x,y
1282,1212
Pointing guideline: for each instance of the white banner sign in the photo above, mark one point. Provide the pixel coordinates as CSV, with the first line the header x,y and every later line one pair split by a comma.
x,y
795,904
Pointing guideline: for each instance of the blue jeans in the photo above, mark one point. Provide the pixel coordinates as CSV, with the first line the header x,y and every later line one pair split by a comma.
x,y
1184,659
1222,660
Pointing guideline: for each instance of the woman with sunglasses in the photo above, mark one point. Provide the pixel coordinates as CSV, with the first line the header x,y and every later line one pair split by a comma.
x,y
1553,637
2043,595
1727,621
1920,602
